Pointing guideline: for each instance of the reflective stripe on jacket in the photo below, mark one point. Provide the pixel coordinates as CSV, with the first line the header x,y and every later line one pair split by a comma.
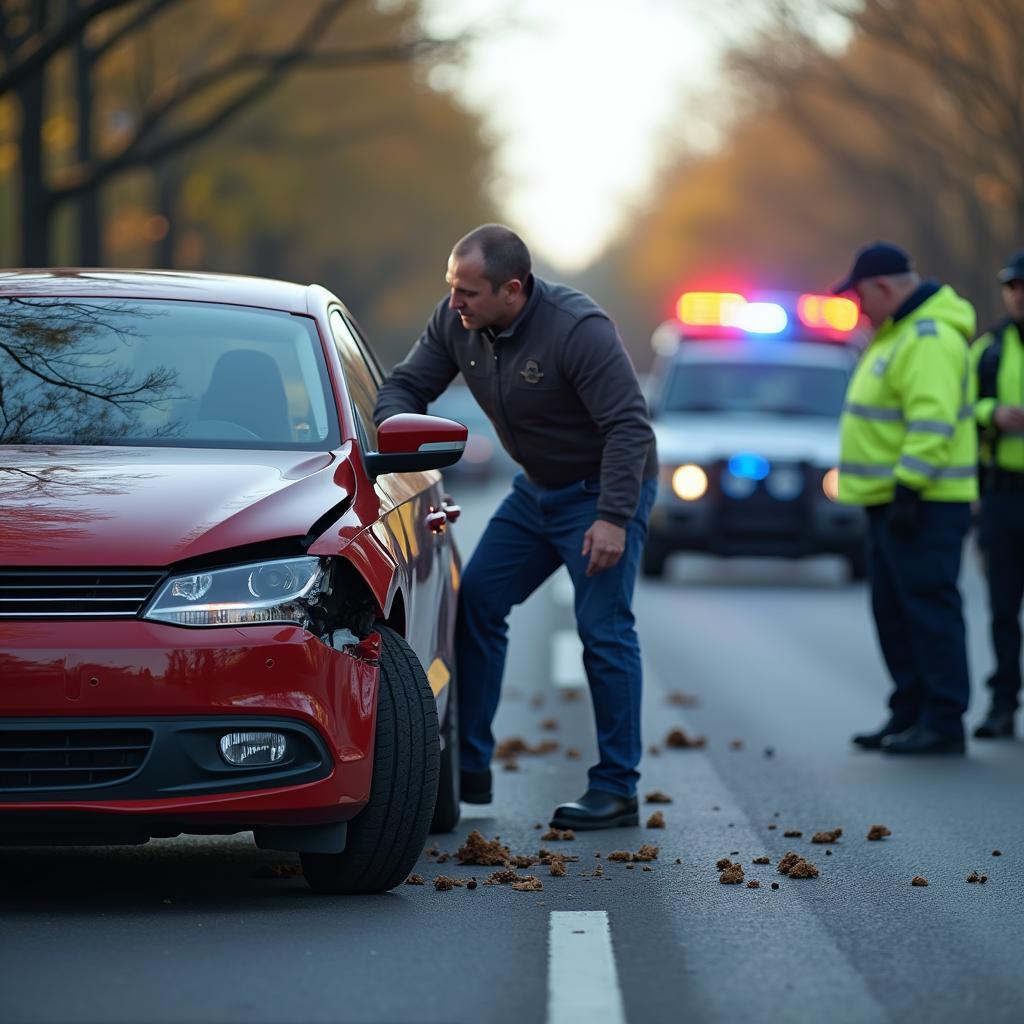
x,y
1009,448
909,412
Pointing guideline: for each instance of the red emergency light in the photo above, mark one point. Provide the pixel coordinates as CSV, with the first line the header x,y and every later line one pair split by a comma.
x,y
830,314
827,312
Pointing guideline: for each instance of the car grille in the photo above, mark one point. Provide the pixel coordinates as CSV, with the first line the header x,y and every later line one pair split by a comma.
x,y
70,758
75,593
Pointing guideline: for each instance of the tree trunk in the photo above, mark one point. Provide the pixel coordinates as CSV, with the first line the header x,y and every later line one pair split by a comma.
x,y
168,184
90,251
36,207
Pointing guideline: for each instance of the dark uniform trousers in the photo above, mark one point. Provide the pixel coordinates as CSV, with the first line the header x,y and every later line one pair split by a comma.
x,y
918,614
1002,537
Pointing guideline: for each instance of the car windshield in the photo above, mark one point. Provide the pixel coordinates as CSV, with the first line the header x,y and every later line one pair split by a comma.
x,y
784,389
85,371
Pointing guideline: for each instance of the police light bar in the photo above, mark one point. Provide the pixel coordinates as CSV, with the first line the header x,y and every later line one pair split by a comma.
x,y
830,315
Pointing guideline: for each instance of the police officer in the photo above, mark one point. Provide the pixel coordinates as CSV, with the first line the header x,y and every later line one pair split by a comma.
x,y
547,366
908,454
998,360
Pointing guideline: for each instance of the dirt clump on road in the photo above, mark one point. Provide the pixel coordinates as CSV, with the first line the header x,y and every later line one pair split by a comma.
x,y
573,754
775,885
415,880
471,884
531,883
557,868
789,859
793,834
761,860
622,856
803,869
656,820
549,724
997,853
657,797
485,852
547,856
677,739
753,884
877,832
445,884
736,744
523,861
647,852
919,880
732,875
504,877
831,836
559,835
723,863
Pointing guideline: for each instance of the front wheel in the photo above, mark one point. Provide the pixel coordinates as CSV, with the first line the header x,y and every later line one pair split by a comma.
x,y
387,836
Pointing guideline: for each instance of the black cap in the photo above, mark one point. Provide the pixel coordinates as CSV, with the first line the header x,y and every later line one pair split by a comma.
x,y
875,260
1014,270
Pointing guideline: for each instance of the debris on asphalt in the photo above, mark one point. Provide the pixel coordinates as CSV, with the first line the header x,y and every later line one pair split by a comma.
x,y
828,853
279,871
803,869
983,879
521,861
549,724
753,884
974,877
471,884
647,867
537,700
511,766
573,754
433,850
772,827
559,835
621,855
761,860
557,868
653,750
769,751
598,872
918,880
547,856
657,797
545,747
677,739
792,834
511,747
723,863
630,867
680,699
443,858
732,875
997,853
504,877
538,825
679,860
570,695
831,836
647,852
485,852
775,885
444,884
531,883
736,744
415,880
877,832
656,820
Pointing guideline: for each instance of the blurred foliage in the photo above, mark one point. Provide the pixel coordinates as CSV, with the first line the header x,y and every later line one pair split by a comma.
x,y
290,140
911,130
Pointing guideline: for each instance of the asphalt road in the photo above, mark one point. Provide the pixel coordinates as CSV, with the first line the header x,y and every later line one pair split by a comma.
x,y
780,658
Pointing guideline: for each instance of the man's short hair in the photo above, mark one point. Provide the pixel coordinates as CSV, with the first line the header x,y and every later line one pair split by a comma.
x,y
504,253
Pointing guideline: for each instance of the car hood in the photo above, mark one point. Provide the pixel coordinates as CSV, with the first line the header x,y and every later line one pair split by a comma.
x,y
82,506
706,438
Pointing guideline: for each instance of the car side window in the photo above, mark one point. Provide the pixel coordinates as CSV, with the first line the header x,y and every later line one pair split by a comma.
x,y
360,379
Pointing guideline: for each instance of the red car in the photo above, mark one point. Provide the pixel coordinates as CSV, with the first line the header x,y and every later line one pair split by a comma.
x,y
226,598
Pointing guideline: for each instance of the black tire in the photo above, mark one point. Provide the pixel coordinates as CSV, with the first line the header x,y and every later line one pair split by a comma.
x,y
387,836
654,558
447,809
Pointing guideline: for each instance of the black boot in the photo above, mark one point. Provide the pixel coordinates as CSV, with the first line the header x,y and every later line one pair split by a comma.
x,y
597,809
923,739
476,787
998,724
873,740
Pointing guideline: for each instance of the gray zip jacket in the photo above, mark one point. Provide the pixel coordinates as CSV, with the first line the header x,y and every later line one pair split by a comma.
x,y
557,385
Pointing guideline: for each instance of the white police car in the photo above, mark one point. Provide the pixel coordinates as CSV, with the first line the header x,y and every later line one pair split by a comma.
x,y
745,397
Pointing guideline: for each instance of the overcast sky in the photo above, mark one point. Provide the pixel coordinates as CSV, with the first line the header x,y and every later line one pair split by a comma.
x,y
581,97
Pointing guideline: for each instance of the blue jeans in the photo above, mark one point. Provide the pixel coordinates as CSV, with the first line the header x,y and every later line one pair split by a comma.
x,y
534,532
917,611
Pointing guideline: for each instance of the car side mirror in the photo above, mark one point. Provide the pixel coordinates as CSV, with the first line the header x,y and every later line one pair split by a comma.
x,y
410,443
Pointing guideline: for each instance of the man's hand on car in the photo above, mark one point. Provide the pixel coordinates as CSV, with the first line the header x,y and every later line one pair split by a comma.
x,y
604,542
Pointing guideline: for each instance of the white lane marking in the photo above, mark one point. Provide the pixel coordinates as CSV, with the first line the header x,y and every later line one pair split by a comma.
x,y
583,985
567,660
562,593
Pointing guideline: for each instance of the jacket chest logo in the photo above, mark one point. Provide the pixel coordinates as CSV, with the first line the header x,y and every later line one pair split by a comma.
x,y
531,372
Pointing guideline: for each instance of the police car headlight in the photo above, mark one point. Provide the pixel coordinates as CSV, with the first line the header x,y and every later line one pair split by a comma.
x,y
830,484
689,482
785,483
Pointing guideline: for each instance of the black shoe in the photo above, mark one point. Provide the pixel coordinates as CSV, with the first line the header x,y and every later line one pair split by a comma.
x,y
476,787
873,740
922,739
998,724
597,809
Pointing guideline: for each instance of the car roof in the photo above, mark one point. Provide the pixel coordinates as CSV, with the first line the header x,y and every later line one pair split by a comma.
x,y
774,350
194,286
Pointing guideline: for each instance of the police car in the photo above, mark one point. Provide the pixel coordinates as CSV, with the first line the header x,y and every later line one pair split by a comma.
x,y
745,397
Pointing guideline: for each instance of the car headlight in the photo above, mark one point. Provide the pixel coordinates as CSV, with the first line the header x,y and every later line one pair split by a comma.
x,y
277,590
689,482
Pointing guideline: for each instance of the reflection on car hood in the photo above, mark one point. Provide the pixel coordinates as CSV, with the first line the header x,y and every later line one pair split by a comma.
x,y
706,437
82,506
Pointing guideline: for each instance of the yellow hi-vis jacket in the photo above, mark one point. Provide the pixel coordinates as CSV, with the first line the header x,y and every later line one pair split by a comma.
x,y
1009,448
909,412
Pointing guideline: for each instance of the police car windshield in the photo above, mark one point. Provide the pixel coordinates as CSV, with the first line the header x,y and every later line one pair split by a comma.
x,y
761,388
